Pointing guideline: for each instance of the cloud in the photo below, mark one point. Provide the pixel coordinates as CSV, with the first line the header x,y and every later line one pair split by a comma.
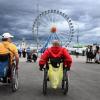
x,y
17,17
92,36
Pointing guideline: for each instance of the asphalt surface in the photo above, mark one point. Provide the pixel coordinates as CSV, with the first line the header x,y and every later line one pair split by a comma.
x,y
84,83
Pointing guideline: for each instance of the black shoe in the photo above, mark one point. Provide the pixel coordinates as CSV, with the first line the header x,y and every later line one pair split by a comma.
x,y
9,80
4,80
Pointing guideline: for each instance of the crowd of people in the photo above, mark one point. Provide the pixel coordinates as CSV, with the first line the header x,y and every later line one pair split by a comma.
x,y
93,54
28,53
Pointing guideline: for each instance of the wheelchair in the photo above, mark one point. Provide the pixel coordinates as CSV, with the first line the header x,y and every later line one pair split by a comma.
x,y
29,57
64,84
8,72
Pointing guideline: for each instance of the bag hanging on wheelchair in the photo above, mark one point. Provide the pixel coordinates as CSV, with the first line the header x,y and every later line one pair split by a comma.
x,y
55,75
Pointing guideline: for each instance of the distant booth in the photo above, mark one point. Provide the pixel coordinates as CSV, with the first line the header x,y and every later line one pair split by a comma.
x,y
79,48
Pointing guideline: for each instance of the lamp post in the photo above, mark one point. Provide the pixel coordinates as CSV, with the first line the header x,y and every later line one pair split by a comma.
x,y
77,34
37,29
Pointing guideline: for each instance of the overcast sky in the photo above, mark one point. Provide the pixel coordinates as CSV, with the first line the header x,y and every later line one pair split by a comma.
x,y
17,16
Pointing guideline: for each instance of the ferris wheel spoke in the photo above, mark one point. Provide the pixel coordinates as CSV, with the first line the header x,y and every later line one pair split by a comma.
x,y
54,20
63,36
40,29
44,21
50,18
44,27
63,33
47,20
45,31
42,24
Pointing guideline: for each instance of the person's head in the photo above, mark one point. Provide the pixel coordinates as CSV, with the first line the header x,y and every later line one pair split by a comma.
x,y
7,37
56,43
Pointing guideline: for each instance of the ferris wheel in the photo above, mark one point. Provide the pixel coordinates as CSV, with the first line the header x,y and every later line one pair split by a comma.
x,y
50,25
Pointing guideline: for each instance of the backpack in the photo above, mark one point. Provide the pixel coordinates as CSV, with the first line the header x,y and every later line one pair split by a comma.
x,y
55,62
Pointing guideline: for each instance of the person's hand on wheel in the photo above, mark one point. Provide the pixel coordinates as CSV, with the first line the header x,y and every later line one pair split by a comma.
x,y
17,68
41,68
68,68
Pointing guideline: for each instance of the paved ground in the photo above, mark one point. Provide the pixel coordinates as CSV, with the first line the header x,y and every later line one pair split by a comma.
x,y
84,81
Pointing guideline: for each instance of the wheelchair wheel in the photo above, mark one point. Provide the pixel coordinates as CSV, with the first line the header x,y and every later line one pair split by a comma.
x,y
45,82
65,82
14,83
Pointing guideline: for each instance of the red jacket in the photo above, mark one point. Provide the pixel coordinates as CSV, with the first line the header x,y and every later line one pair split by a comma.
x,y
55,52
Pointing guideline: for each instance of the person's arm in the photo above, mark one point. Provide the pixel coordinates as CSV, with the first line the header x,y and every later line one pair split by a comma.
x,y
17,60
15,51
68,58
43,59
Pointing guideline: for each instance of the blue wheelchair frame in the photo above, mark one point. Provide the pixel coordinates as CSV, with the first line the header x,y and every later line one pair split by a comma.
x,y
3,69
8,70
4,65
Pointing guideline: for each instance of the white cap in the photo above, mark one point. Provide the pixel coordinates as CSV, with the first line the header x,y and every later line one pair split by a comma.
x,y
7,35
56,43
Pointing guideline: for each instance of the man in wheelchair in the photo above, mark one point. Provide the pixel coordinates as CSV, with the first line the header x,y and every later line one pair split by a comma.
x,y
56,54
55,58
8,54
